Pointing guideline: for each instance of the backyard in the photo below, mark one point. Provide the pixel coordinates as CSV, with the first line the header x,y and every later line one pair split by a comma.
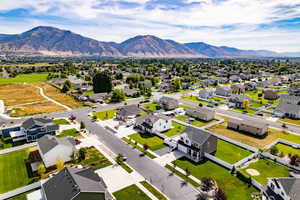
x,y
13,171
154,143
267,169
222,176
94,159
105,115
287,150
230,153
177,129
259,143
131,192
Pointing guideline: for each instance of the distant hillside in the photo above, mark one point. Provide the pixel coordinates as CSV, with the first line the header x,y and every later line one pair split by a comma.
x,y
53,41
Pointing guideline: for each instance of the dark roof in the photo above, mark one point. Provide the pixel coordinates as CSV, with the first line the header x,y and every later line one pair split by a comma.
x,y
38,122
129,111
69,182
197,135
291,187
48,142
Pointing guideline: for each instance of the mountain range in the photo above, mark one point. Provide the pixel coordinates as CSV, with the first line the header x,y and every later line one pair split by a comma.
x,y
53,41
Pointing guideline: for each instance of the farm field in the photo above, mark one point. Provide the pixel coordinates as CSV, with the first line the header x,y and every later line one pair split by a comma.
x,y
221,175
25,78
259,143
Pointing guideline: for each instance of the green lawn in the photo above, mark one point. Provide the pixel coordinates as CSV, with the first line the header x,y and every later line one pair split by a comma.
x,y
292,121
13,171
8,143
61,122
194,99
255,104
105,115
230,153
25,78
131,192
88,93
184,106
155,143
69,132
286,150
231,185
94,159
254,96
267,169
177,129
150,155
153,190
198,123
182,176
240,110
219,99
150,106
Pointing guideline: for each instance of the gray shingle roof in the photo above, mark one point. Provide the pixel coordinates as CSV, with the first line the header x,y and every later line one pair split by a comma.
x,y
129,110
37,121
197,135
291,186
48,142
69,182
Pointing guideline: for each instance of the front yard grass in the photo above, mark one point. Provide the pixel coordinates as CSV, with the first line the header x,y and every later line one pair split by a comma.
x,y
105,115
194,99
94,159
182,176
8,143
13,170
154,143
291,121
259,143
286,150
69,132
153,190
150,155
230,153
177,129
247,111
61,122
131,192
150,106
233,187
267,169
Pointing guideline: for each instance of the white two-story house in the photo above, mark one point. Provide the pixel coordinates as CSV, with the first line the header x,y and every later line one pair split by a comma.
x,y
153,123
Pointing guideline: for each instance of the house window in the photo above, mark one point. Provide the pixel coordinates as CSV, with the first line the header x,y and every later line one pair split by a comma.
x,y
272,186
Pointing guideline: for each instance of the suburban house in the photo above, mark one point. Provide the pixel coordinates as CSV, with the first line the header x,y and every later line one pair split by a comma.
x,y
250,86
168,103
294,90
237,88
97,98
201,113
254,128
153,123
235,78
270,94
128,112
223,91
51,148
283,189
75,184
237,100
194,143
206,93
289,106
130,92
33,129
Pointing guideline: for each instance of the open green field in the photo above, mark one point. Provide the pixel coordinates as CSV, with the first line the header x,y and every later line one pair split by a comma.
x,y
233,187
61,122
13,171
131,192
177,129
69,132
155,143
153,190
230,153
286,150
94,159
105,115
267,169
25,78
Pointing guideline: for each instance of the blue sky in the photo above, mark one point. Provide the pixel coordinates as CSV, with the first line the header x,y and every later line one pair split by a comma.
x,y
245,24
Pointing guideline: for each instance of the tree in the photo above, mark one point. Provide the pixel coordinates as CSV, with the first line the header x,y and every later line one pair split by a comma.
x,y
66,87
119,76
207,184
176,84
187,172
82,125
41,170
146,147
274,150
102,82
60,164
245,103
75,156
117,96
220,195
